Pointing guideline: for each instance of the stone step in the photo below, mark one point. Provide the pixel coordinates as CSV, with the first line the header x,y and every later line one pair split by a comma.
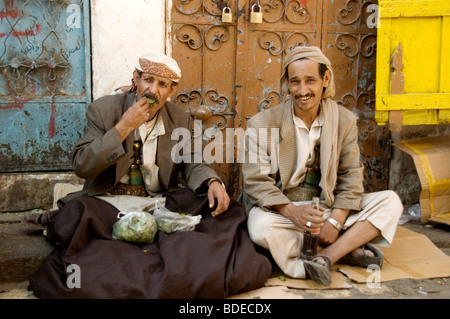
x,y
27,191
23,246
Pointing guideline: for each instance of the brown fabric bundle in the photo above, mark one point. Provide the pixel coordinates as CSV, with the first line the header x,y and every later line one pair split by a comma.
x,y
216,260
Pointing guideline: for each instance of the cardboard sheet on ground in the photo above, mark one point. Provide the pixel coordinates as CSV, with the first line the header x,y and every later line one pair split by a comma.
x,y
276,292
411,255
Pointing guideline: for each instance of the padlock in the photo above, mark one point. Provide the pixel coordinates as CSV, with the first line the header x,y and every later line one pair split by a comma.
x,y
256,16
226,15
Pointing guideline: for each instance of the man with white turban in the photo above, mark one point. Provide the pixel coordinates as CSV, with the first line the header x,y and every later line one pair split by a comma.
x,y
115,122
307,128
214,258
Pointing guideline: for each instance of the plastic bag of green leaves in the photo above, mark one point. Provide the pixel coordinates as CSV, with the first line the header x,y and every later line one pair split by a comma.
x,y
170,222
135,227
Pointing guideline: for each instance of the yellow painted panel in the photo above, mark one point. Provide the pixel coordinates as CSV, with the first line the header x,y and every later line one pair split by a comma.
x,y
416,117
414,8
444,116
422,27
382,117
445,56
383,57
386,102
420,117
421,41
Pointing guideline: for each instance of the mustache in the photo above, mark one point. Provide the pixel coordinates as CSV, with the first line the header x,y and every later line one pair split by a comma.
x,y
148,95
299,96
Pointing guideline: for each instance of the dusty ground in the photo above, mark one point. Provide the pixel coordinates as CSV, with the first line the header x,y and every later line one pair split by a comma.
x,y
436,288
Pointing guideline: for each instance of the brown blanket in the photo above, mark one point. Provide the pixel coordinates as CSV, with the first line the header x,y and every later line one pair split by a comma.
x,y
216,260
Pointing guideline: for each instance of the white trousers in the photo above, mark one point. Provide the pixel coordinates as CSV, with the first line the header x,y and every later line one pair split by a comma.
x,y
284,239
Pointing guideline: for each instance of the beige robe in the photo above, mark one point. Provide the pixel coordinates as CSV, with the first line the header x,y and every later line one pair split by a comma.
x,y
341,183
341,168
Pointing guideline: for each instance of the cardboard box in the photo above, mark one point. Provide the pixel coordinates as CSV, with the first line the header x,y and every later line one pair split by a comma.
x,y
431,157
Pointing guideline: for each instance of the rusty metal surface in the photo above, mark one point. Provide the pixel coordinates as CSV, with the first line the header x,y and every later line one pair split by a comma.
x,y
351,45
44,82
231,70
205,49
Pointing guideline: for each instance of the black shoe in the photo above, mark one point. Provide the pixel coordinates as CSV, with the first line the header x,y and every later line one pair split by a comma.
x,y
317,271
364,260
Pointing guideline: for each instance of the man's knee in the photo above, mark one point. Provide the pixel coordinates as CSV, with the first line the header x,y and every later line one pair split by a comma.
x,y
385,198
256,225
389,205
263,226
394,201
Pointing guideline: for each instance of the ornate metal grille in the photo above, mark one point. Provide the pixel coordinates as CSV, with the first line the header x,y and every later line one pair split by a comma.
x,y
44,82
241,62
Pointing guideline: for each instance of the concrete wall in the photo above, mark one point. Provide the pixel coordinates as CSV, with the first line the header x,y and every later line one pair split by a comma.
x,y
121,31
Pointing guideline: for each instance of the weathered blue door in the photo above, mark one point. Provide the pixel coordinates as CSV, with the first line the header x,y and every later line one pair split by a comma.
x,y
44,82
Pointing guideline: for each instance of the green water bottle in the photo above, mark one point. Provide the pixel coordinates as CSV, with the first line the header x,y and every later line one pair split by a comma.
x,y
135,172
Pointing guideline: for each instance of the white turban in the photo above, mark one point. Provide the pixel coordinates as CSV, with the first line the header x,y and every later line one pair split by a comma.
x,y
160,65
311,53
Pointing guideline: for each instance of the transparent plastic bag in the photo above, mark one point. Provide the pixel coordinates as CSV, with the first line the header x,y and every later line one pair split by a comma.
x,y
135,227
415,212
170,222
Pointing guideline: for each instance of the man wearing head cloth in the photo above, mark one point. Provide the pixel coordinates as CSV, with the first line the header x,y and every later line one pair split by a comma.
x,y
214,260
310,148
103,158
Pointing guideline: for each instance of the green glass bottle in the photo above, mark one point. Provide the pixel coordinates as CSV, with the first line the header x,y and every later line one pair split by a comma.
x,y
135,172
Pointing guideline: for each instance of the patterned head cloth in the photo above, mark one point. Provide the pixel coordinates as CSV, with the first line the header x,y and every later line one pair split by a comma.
x,y
160,65
314,54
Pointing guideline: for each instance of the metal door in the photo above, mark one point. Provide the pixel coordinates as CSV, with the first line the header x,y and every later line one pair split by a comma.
x,y
231,70
44,84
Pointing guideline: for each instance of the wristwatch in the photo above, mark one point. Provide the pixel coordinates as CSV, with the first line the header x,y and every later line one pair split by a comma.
x,y
336,224
216,180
